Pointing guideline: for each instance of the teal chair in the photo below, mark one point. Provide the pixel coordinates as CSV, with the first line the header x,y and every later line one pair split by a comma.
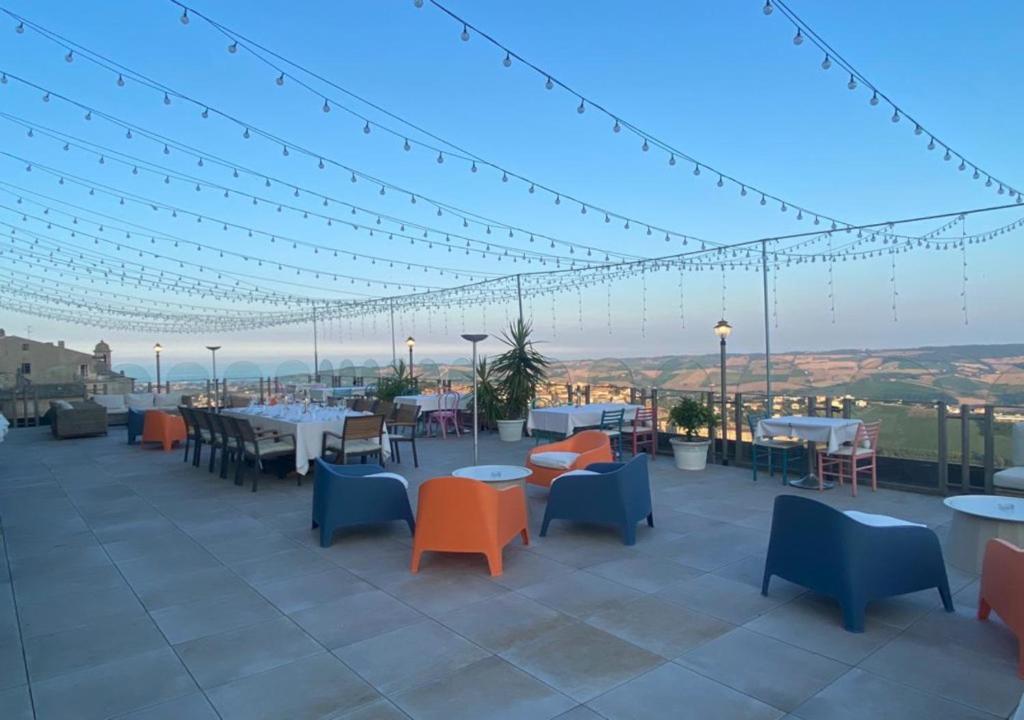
x,y
768,451
611,425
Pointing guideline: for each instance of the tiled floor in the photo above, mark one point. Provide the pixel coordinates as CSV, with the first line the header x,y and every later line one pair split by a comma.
x,y
136,586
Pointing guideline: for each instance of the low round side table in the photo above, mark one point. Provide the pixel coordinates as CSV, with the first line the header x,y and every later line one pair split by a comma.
x,y
498,476
976,520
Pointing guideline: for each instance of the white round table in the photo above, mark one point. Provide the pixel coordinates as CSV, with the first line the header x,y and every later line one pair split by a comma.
x,y
501,476
976,520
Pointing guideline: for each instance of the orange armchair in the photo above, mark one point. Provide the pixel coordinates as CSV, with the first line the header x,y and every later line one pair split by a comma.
x,y
163,428
461,515
590,446
1002,589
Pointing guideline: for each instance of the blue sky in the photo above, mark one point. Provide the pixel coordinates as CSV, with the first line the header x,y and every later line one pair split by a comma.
x,y
718,80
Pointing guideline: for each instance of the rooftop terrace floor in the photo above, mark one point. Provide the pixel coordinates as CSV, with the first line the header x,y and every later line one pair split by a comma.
x,y
136,586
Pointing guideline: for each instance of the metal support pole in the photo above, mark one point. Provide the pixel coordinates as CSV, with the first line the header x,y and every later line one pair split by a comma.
x,y
737,411
316,350
158,372
965,448
394,348
519,294
767,331
476,419
725,413
943,448
989,436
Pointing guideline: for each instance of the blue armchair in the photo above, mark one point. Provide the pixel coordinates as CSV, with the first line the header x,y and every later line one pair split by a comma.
x,y
615,493
346,495
831,553
136,420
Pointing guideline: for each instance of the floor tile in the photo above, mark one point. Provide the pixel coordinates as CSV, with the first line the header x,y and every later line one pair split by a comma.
x,y
859,695
218,659
646,574
377,710
726,599
187,707
291,596
114,688
659,626
490,688
280,566
772,671
504,621
580,594
181,623
665,691
816,625
318,686
190,587
354,618
438,591
994,685
15,703
63,611
410,656
107,640
581,661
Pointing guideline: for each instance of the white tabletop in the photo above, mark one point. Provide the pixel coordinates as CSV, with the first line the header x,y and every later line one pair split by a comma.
x,y
832,431
430,403
493,473
4,424
307,425
992,507
565,419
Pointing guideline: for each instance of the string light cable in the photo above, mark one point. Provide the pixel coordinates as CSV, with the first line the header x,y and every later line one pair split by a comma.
x,y
832,56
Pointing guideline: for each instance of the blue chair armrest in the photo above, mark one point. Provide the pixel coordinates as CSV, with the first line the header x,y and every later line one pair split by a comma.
x,y
604,467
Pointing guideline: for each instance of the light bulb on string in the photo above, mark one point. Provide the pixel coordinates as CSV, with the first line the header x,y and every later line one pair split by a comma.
x,y
20,29
366,128
962,166
280,80
581,108
798,39
406,146
826,63
549,84
465,33
874,98
645,147
721,181
672,159
46,97
205,113
616,127
852,85
918,129
70,57
895,116
233,47
440,158
184,16
768,8
743,190
507,62
948,156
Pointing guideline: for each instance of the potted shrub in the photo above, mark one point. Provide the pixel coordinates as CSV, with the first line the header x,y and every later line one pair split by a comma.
x,y
691,451
400,382
489,403
521,369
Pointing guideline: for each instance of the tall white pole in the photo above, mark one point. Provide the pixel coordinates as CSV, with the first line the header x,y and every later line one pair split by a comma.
x,y
767,331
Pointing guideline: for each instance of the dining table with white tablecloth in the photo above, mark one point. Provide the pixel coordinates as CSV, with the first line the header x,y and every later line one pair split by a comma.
x,y
567,419
432,403
828,431
307,424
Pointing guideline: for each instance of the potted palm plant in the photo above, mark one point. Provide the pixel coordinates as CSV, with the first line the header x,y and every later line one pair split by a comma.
x,y
400,382
691,451
488,398
520,369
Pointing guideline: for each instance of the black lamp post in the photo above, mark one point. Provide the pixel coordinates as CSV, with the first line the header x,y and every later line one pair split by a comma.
x,y
722,330
158,348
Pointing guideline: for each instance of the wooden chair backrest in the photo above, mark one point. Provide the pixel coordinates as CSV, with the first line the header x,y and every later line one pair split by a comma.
x,y
366,427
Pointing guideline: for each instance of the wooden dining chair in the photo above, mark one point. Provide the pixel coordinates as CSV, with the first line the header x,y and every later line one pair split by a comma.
x,y
361,435
850,460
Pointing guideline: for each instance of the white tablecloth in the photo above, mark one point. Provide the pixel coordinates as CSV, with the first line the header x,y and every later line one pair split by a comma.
x,y
4,424
308,428
430,403
566,419
833,432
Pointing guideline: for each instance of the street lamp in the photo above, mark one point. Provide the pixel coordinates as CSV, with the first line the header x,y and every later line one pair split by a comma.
x,y
476,422
722,330
411,343
213,351
158,348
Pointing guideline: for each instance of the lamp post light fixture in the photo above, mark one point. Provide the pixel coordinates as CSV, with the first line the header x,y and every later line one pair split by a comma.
x,y
722,330
411,343
216,394
473,338
158,348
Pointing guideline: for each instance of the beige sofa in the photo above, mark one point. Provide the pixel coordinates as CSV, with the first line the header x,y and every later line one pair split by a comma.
x,y
118,405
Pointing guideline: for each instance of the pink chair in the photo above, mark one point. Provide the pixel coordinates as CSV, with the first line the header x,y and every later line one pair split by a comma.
x,y
447,414
850,460
641,432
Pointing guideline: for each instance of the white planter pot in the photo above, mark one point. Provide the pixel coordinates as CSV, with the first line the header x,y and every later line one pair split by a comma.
x,y
510,430
690,455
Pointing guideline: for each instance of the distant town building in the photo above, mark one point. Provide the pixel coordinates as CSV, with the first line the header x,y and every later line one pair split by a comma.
x,y
31,363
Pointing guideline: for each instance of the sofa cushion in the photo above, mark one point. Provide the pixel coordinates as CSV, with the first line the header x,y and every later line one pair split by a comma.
x,y
554,460
139,401
574,473
393,476
879,520
167,401
1010,478
113,403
